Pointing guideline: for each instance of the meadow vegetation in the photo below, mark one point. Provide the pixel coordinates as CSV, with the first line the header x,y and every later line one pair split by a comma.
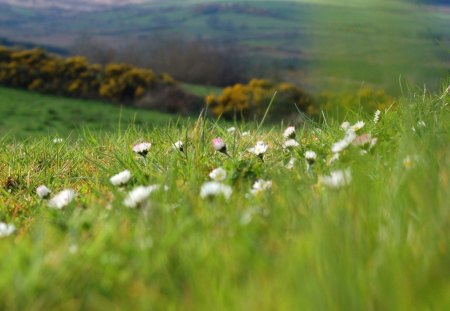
x,y
285,226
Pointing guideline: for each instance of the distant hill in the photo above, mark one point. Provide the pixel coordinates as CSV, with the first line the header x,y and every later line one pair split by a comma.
x,y
285,39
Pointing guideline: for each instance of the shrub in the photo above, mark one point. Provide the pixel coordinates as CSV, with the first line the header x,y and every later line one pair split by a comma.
x,y
252,99
74,76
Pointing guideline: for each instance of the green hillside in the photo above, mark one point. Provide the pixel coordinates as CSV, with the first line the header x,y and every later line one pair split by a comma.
x,y
26,114
317,43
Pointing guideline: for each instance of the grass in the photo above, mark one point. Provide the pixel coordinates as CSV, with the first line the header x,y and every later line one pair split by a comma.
x,y
31,114
379,243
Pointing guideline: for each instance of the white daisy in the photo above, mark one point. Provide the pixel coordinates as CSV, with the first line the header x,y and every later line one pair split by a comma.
x,y
247,133
57,140
6,229
376,116
120,179
139,195
260,186
218,174
289,133
142,148
62,199
310,157
334,158
357,126
43,192
178,146
214,188
350,136
290,143
336,179
345,125
259,149
290,164
231,130
219,145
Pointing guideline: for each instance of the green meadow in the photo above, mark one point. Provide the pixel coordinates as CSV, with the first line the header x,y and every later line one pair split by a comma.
x,y
27,114
367,231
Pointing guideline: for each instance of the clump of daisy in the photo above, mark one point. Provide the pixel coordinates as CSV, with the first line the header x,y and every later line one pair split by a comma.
x,y
120,179
289,133
376,116
290,143
260,186
336,179
6,229
62,199
142,148
219,145
178,146
218,174
43,192
138,197
214,188
349,137
259,149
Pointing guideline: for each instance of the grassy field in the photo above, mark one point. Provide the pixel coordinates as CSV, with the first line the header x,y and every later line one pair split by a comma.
x,y
321,44
378,240
26,114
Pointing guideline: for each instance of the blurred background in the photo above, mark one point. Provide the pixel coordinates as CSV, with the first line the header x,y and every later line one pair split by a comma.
x,y
232,55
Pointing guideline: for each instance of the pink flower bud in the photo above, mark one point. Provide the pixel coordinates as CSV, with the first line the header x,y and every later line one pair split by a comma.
x,y
219,145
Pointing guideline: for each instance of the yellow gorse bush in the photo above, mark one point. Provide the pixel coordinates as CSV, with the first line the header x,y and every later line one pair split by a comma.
x,y
74,76
245,100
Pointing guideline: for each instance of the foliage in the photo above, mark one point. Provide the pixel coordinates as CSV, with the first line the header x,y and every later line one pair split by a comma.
x,y
75,77
252,99
380,243
366,98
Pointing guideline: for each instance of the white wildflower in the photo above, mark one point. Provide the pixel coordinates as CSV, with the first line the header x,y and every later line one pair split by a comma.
x,y
290,164
310,157
43,192
62,199
334,158
261,185
6,229
120,179
336,179
57,140
178,146
290,143
357,126
139,195
376,116
219,145
345,125
214,188
421,124
259,149
231,130
289,133
218,174
345,142
247,133
142,148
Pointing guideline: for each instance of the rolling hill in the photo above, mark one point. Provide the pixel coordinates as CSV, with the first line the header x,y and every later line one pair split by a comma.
x,y
318,43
